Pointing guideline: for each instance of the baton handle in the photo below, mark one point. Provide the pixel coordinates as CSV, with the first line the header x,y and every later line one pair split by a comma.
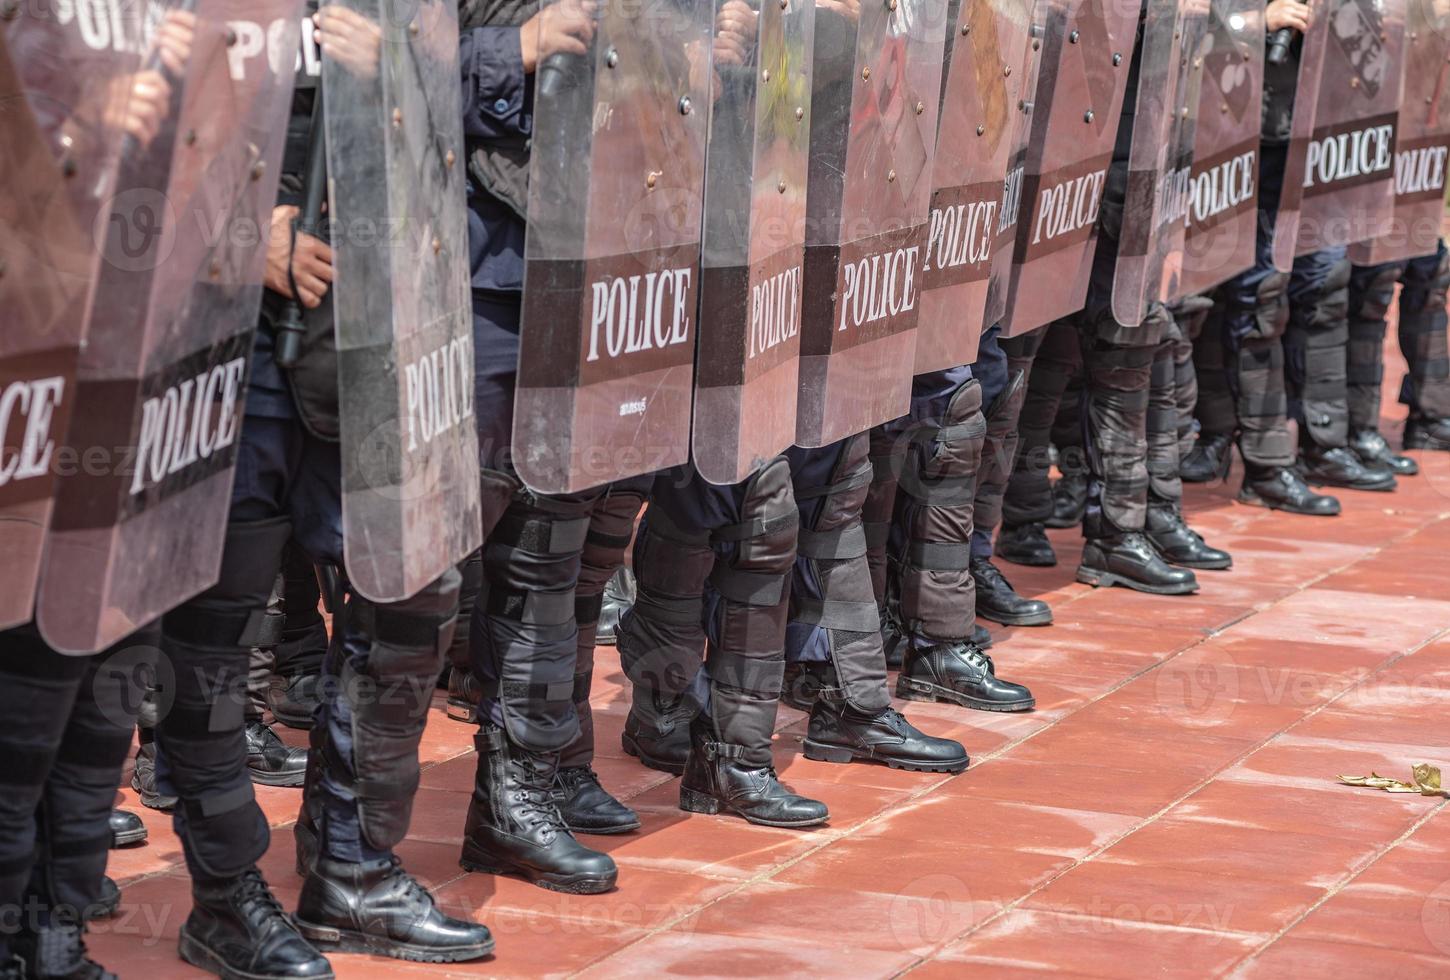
x,y
314,191
1279,43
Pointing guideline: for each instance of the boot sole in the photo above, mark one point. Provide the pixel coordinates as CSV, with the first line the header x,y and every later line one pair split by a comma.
x,y
1027,564
1100,580
1375,488
820,752
330,939
603,831
693,801
1254,500
128,838
201,956
162,804
631,747
1210,566
911,690
298,722
1039,619
461,711
278,779
569,884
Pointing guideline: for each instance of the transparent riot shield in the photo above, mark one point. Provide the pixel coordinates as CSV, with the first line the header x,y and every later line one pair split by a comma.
x,y
1086,52
1160,158
1423,140
1349,162
753,242
140,517
63,100
1306,100
976,176
401,301
611,277
1221,217
874,102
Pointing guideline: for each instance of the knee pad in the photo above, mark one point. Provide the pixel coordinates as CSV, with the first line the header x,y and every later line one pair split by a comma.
x,y
887,455
235,611
611,528
833,542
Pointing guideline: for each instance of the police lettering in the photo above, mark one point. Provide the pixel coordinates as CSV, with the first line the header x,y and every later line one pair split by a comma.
x,y
879,286
631,313
1420,170
1221,187
26,410
439,390
1362,152
179,427
1069,206
774,310
276,42
1011,200
960,234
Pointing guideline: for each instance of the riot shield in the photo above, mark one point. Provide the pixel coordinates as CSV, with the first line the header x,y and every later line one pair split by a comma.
x,y
140,517
1423,141
752,245
1084,72
1221,219
1160,157
60,100
1348,173
611,276
976,177
401,300
875,96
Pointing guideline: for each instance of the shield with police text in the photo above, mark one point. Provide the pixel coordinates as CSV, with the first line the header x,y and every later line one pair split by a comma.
x,y
875,95
140,516
987,87
1160,158
1221,218
752,246
1349,161
612,255
59,95
1423,138
1086,52
401,299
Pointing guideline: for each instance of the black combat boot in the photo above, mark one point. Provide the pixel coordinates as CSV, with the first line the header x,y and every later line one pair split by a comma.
x,y
1208,460
238,931
463,695
1426,432
1129,559
587,807
840,732
376,907
959,673
514,826
143,780
271,761
292,700
619,596
895,642
1280,488
1025,544
656,731
1339,467
1178,543
108,899
1069,501
126,829
1375,453
718,777
999,602
56,951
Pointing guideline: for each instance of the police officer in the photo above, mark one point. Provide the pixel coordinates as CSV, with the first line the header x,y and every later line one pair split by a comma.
x,y
380,670
1425,389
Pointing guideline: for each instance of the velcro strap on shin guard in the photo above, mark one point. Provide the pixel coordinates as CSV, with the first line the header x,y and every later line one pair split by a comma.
x,y
524,691
940,556
212,627
587,608
534,608
753,675
756,528
399,628
748,588
838,545
81,847
216,804
837,614
398,786
851,481
542,536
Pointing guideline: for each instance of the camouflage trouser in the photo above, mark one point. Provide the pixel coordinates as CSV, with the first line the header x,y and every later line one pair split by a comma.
x,y
1316,345
1426,388
1058,360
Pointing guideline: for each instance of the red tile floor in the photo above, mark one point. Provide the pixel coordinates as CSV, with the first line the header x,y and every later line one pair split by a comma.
x,y
1170,808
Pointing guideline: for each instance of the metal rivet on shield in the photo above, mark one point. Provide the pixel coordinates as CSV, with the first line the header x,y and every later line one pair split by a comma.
x,y
1223,108
1183,113
448,159
1430,100
890,4
612,58
686,106
68,167
216,269
920,108
190,138
231,37
1198,62
653,178
1087,117
1072,38
397,117
1006,71
765,75
981,129
9,10
890,176
800,112
258,169
437,245
1036,30
784,4
1117,59
413,28
1354,82
966,29
780,186
1036,45
1027,107
866,73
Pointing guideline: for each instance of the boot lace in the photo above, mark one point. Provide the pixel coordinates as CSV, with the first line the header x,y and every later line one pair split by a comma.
x,y
535,800
255,898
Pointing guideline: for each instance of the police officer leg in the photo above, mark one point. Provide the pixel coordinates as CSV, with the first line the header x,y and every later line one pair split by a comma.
x,y
1069,491
1206,420
833,630
1371,290
1315,345
1118,363
1426,388
1002,370
270,761
297,660
587,807
1027,505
